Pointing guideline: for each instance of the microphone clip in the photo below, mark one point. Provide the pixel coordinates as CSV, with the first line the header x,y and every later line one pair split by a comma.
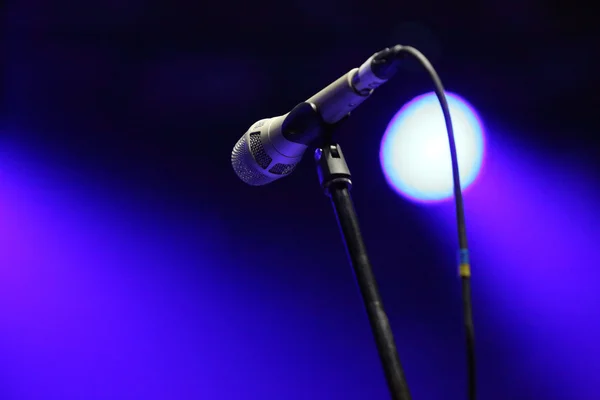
x,y
332,167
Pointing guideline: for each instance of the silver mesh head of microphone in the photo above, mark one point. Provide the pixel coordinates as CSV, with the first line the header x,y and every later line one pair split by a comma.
x,y
263,155
245,165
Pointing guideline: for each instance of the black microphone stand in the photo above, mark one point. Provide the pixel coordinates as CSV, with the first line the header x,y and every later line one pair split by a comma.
x,y
335,179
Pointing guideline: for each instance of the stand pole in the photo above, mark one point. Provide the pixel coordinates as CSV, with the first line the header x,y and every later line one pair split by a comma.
x,y
334,176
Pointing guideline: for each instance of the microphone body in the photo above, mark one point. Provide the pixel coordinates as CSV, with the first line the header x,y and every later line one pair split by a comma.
x,y
272,147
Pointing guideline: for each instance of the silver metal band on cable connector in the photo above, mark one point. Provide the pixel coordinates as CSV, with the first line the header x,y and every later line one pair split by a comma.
x,y
365,80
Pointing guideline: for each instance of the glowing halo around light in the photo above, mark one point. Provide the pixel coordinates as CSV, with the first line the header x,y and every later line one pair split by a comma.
x,y
415,155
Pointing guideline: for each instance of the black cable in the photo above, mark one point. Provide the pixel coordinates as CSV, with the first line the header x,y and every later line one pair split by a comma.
x,y
464,264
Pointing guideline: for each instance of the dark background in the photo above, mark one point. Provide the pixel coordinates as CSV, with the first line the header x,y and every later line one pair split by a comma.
x,y
147,98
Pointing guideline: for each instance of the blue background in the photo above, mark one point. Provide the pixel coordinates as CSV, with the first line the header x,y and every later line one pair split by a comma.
x,y
134,264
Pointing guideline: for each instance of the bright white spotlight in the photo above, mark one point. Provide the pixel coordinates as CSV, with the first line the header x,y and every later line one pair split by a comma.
x,y
415,155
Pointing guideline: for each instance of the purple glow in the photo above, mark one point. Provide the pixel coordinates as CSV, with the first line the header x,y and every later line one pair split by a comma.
x,y
534,232
96,303
415,155
88,308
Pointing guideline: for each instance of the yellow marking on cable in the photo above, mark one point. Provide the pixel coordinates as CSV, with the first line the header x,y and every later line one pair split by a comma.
x,y
465,270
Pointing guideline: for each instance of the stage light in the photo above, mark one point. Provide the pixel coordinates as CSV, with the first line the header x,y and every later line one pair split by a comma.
x,y
415,155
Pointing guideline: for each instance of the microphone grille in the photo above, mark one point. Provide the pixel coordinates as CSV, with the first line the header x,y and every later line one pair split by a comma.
x,y
245,166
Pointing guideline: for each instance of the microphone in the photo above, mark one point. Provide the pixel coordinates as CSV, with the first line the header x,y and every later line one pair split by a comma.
x,y
272,147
